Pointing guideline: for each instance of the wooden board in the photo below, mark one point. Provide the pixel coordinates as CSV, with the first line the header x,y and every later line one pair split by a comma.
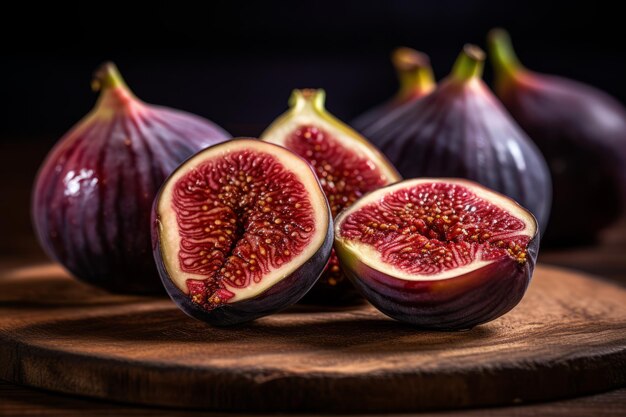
x,y
566,338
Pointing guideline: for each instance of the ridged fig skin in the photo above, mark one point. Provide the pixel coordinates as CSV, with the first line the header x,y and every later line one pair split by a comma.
x,y
282,295
581,131
461,130
456,303
93,194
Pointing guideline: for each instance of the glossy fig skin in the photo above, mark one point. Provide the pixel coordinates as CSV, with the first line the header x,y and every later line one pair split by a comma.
x,y
456,303
461,130
282,295
580,130
416,80
93,194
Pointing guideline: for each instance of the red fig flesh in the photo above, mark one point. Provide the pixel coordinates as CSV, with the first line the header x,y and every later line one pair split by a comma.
x,y
241,230
347,165
582,133
416,80
93,194
461,130
438,253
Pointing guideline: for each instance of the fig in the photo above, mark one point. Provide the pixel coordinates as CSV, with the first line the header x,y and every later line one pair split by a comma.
x,y
346,164
580,130
416,80
461,130
241,230
93,194
438,253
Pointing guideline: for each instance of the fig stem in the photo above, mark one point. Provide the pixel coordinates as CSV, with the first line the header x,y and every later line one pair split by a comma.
x,y
414,72
469,64
315,98
107,76
503,57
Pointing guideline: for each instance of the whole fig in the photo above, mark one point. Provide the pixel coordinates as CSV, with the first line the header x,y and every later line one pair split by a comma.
x,y
580,130
416,80
93,194
462,130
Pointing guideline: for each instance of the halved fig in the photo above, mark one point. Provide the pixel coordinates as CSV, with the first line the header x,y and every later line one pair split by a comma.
x,y
348,166
241,230
438,253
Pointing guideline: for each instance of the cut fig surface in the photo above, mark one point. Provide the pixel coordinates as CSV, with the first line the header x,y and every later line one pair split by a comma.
x,y
346,164
243,229
441,253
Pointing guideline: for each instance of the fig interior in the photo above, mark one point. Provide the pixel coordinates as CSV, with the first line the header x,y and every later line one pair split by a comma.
x,y
345,176
240,221
432,229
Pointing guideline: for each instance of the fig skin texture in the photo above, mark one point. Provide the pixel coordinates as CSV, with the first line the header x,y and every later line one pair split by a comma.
x,y
416,80
93,194
455,302
580,130
286,290
461,130
347,165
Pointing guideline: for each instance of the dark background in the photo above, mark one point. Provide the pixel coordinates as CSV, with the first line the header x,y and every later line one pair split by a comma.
x,y
236,62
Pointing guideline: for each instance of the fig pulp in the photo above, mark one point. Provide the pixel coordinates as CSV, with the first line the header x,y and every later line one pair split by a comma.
x,y
438,253
347,166
461,130
241,230
580,130
416,80
93,194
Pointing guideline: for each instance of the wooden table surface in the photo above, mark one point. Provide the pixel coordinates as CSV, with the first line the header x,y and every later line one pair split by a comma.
x,y
17,166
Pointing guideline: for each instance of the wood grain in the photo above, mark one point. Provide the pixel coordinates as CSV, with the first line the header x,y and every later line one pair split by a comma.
x,y
566,338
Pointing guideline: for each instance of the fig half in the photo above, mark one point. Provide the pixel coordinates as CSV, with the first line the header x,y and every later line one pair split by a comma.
x,y
241,230
438,253
347,165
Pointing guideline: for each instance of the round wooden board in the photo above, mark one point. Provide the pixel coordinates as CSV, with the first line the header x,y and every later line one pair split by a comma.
x,y
566,338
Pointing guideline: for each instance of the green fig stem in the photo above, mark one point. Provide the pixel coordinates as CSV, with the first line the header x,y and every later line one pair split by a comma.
x,y
114,93
503,55
308,97
469,65
107,76
414,72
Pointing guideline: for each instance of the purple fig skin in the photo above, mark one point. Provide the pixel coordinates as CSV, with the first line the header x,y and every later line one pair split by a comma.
x,y
456,303
285,293
93,194
461,130
581,131
281,295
